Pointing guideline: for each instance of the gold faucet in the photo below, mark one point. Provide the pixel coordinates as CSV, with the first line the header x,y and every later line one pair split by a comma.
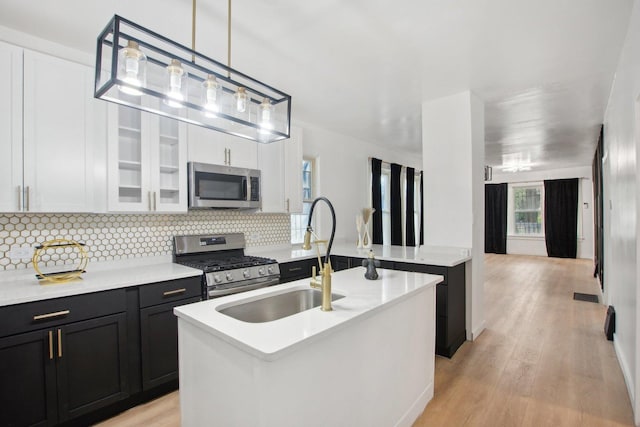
x,y
324,284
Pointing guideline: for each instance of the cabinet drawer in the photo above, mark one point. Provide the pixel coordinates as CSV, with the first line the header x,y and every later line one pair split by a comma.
x,y
296,270
53,312
173,290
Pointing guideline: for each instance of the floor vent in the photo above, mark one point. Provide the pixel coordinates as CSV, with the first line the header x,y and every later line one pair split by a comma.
x,y
585,297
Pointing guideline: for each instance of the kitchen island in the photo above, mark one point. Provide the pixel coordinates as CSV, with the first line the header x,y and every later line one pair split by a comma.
x,y
370,361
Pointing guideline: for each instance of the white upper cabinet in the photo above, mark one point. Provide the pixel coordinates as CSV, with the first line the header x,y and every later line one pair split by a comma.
x,y
147,161
11,189
48,134
210,146
281,166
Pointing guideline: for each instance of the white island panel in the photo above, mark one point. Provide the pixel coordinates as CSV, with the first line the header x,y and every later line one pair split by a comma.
x,y
369,362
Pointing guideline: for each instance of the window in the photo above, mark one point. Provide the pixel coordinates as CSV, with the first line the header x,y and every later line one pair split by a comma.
x,y
299,221
385,184
526,217
385,191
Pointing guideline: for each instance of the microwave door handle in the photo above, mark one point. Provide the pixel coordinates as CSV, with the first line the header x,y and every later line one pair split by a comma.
x,y
244,188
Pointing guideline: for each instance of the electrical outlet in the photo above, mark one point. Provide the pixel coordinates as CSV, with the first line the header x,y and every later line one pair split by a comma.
x,y
20,252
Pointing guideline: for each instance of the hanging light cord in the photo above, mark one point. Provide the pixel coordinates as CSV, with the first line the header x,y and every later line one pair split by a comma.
x,y
193,31
228,38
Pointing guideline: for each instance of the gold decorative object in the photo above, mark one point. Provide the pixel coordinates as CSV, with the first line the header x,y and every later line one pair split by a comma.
x,y
60,276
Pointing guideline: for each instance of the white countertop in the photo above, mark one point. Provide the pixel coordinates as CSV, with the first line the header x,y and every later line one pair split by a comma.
x,y
20,286
271,340
428,255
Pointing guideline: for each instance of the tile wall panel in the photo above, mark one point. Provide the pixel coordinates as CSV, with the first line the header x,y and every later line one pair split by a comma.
x,y
119,236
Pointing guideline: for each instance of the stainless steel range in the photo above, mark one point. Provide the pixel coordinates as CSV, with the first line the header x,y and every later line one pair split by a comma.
x,y
227,270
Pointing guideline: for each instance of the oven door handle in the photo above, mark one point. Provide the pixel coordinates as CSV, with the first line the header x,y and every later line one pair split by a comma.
x,y
228,291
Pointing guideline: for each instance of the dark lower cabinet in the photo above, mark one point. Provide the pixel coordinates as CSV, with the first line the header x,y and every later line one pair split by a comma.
x,y
296,270
52,375
28,390
450,298
159,343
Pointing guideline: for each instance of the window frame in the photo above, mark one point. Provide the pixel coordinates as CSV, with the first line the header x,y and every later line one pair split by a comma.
x,y
298,221
511,210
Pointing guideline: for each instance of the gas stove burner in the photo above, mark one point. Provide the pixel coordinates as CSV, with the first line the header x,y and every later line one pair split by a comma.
x,y
226,269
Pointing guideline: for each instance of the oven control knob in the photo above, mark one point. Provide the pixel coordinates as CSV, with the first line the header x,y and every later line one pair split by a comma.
x,y
229,276
217,278
261,271
270,270
246,274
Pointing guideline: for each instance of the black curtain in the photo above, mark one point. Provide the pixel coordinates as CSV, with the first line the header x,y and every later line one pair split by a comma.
x,y
421,210
561,217
598,219
410,229
495,218
376,197
396,205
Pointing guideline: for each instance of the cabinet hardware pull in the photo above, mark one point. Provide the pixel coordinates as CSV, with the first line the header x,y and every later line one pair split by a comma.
x,y
59,343
19,197
27,197
229,156
51,315
150,205
174,292
155,208
50,345
287,205
295,269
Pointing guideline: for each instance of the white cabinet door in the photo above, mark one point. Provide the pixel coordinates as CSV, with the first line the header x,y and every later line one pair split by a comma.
x,y
146,161
58,168
293,171
281,166
169,166
270,158
210,146
10,128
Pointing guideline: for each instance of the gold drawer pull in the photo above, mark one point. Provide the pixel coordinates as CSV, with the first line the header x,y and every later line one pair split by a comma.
x,y
175,292
59,343
295,269
51,315
50,345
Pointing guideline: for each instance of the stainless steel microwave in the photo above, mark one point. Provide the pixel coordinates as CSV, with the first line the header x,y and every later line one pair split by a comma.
x,y
224,187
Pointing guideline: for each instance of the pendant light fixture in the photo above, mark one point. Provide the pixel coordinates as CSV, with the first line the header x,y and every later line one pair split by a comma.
x,y
142,69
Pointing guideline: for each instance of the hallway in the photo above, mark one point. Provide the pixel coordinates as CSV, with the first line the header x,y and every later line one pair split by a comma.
x,y
543,359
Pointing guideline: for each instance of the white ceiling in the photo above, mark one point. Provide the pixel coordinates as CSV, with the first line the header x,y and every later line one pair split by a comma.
x,y
363,67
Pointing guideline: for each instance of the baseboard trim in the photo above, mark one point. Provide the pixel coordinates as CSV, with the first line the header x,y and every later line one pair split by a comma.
x,y
477,332
628,380
416,409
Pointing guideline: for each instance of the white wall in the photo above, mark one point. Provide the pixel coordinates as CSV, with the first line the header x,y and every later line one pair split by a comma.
x,y
620,176
343,167
519,245
453,159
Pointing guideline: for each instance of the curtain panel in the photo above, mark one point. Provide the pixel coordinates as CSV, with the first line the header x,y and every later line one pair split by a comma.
x,y
396,204
376,199
495,218
410,228
561,217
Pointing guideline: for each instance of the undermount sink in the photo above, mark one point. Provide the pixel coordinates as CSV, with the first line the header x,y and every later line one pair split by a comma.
x,y
277,306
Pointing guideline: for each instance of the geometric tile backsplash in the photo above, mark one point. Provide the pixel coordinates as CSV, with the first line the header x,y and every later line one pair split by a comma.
x,y
119,236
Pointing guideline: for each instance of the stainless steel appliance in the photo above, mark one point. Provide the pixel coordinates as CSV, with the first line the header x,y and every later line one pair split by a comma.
x,y
226,269
217,186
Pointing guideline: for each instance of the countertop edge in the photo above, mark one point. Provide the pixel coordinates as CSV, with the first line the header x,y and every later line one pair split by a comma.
x,y
287,349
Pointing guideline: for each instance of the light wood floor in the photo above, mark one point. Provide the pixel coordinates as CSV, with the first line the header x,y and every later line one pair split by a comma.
x,y
543,359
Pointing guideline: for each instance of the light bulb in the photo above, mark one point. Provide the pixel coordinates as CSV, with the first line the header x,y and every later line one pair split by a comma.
x,y
211,96
241,100
132,68
265,116
176,84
